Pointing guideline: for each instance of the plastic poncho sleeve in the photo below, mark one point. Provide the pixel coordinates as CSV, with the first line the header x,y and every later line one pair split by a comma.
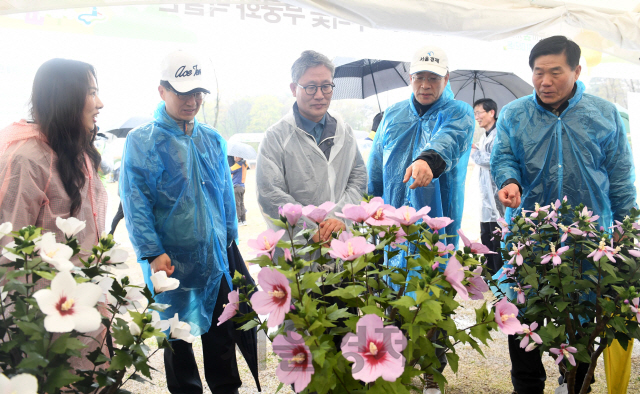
x,y
504,164
357,182
375,163
139,174
229,201
481,157
270,179
452,138
619,166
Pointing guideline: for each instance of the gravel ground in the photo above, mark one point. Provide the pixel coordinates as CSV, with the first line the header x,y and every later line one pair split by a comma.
x,y
476,374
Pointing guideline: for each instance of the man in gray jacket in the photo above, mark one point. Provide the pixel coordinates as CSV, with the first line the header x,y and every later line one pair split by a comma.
x,y
310,156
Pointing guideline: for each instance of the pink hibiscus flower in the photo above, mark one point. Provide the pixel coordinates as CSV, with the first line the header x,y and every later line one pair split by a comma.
x,y
553,255
506,317
564,351
351,249
437,223
231,308
454,274
440,249
318,214
296,366
569,230
355,213
375,349
635,308
379,213
274,298
292,212
266,242
476,285
515,254
603,250
520,290
475,247
408,215
528,333
400,238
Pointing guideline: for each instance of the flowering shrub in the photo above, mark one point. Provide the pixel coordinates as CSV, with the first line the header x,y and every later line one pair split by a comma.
x,y
574,286
43,330
346,327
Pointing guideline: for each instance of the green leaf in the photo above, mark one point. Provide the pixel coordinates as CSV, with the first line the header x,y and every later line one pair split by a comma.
x,y
249,325
33,361
46,274
561,305
278,223
159,307
64,343
60,378
405,301
121,360
351,291
280,386
339,314
453,361
372,310
481,332
123,336
430,312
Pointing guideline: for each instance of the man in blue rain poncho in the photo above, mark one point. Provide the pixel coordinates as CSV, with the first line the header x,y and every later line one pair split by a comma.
x,y
179,209
560,142
421,149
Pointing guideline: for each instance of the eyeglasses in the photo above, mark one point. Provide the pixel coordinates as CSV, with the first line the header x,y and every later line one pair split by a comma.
x,y
198,96
478,113
312,89
430,80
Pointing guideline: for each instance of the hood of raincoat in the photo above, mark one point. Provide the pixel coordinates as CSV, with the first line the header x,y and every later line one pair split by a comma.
x,y
178,199
292,168
446,128
583,154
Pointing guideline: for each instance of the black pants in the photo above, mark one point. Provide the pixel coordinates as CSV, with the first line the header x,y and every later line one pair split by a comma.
x,y
116,219
494,261
527,372
219,354
238,190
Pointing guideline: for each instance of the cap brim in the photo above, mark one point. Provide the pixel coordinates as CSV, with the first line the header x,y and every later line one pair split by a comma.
x,y
188,87
441,71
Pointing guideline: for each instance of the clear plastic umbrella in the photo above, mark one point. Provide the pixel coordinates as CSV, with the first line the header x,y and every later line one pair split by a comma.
x,y
241,149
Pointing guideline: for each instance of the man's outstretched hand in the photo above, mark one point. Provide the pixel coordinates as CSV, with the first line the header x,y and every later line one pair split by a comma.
x,y
510,196
162,263
421,173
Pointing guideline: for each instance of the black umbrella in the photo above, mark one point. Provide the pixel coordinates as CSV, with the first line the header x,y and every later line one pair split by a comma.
x,y
366,77
501,87
129,125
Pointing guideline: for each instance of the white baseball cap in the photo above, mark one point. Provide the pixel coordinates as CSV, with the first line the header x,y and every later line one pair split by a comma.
x,y
184,72
430,58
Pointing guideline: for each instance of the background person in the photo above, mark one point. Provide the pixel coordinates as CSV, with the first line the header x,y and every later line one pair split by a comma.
x,y
238,174
48,167
486,112
560,142
179,209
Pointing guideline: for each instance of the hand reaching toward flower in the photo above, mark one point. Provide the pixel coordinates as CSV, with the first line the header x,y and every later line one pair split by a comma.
x,y
163,263
330,226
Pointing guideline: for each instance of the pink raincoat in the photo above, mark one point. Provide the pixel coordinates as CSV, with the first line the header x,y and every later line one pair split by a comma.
x,y
32,193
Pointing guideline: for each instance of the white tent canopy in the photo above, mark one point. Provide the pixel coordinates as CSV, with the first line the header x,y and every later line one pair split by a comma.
x,y
612,27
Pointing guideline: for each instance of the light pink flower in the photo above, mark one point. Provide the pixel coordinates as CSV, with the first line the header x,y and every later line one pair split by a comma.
x,y
564,351
318,214
635,308
408,215
520,290
569,230
231,308
440,249
356,213
375,349
266,242
437,223
296,366
634,252
344,236
454,274
528,333
475,247
554,255
506,317
379,212
504,228
508,272
351,249
287,255
477,285
603,250
588,215
515,254
292,212
274,298
400,238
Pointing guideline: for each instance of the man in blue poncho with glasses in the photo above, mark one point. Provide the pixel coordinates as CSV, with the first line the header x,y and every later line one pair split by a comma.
x,y
420,152
179,208
559,142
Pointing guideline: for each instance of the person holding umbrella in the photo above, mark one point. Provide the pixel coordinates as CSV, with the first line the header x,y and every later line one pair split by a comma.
x,y
177,198
420,153
238,175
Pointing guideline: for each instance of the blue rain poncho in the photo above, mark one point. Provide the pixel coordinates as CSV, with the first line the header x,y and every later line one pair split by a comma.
x,y
178,199
582,154
446,128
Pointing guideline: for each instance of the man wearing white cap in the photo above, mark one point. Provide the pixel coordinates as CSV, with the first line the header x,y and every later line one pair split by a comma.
x,y
179,208
421,149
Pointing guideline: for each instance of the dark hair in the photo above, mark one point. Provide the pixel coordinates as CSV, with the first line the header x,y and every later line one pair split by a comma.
x,y
488,105
554,46
58,97
376,121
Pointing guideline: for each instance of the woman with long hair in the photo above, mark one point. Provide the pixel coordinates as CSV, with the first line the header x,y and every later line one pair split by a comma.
x,y
48,165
